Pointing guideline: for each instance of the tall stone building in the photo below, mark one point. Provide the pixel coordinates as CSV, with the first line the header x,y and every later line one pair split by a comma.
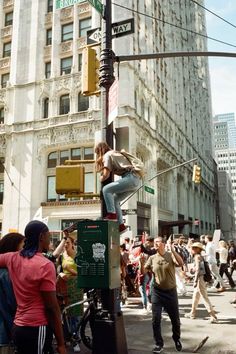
x,y
163,115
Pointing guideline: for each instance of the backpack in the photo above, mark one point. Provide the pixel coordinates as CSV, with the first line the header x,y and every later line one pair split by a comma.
x,y
137,164
207,276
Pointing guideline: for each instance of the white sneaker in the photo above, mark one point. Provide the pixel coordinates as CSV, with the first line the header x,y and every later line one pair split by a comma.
x,y
149,307
144,311
213,319
189,315
76,348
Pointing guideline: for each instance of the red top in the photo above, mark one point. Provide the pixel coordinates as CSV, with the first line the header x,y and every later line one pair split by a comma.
x,y
29,276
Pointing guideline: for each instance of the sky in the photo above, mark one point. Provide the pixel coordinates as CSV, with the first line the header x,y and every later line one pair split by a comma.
x,y
222,70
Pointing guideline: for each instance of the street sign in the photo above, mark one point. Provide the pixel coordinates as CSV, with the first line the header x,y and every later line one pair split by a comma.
x,y
119,29
123,28
149,190
60,4
129,211
97,5
94,36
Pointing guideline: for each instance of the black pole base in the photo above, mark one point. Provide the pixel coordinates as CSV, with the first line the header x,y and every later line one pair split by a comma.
x,y
109,335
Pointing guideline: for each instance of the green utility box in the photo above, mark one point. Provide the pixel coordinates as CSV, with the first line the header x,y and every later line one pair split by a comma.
x,y
98,254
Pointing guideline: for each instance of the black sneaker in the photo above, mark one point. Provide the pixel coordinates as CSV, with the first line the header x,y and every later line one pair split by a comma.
x,y
178,345
157,349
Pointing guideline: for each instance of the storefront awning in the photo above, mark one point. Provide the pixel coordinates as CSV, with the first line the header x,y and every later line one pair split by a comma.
x,y
174,223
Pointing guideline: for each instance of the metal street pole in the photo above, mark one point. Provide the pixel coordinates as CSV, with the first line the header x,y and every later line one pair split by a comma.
x,y
109,333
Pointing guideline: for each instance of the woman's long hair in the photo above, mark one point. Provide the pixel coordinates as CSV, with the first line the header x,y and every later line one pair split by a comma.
x,y
100,150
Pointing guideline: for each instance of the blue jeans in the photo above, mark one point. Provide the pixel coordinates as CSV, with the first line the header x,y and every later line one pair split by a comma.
x,y
142,289
119,190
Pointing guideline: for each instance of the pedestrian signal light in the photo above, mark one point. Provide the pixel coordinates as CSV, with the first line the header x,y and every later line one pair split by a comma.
x,y
196,174
90,72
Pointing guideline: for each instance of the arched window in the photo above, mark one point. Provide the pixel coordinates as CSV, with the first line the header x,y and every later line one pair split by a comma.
x,y
45,107
52,159
64,104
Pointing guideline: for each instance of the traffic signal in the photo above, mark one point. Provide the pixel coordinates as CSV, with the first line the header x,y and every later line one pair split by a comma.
x,y
196,174
70,180
90,72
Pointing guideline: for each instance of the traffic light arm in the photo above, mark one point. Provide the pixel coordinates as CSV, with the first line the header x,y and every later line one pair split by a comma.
x,y
121,58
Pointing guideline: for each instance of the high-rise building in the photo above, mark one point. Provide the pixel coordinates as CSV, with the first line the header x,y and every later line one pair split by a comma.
x,y
226,160
163,113
226,204
226,140
220,135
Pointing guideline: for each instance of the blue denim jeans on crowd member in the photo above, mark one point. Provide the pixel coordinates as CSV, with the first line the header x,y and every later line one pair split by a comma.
x,y
143,290
119,190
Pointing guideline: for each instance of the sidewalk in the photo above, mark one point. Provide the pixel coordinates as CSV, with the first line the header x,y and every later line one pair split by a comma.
x,y
222,336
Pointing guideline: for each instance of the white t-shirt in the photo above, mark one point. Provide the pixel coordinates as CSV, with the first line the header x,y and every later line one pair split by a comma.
x,y
210,253
223,252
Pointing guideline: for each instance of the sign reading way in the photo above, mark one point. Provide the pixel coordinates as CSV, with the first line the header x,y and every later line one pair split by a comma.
x,y
119,29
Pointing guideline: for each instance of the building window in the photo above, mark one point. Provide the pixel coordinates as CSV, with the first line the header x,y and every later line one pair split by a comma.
x,y
52,195
1,191
142,109
4,80
64,155
56,158
52,159
67,32
9,18
80,62
6,50
49,36
64,104
45,107
88,153
48,70
2,165
76,154
66,65
84,26
2,115
89,182
50,6
83,103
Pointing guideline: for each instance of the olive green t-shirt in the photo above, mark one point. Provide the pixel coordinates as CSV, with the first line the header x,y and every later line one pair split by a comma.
x,y
163,268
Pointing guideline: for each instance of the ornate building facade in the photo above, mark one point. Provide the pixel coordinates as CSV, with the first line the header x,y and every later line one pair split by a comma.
x,y
163,113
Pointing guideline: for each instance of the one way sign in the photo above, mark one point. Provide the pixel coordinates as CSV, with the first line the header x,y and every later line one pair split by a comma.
x,y
119,29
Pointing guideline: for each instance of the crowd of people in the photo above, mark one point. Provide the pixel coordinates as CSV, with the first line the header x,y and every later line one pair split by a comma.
x,y
159,268
32,273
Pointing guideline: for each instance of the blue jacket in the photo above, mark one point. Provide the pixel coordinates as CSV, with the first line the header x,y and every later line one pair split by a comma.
x,y
7,307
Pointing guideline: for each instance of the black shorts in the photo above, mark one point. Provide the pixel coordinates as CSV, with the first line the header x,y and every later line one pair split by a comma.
x,y
32,340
